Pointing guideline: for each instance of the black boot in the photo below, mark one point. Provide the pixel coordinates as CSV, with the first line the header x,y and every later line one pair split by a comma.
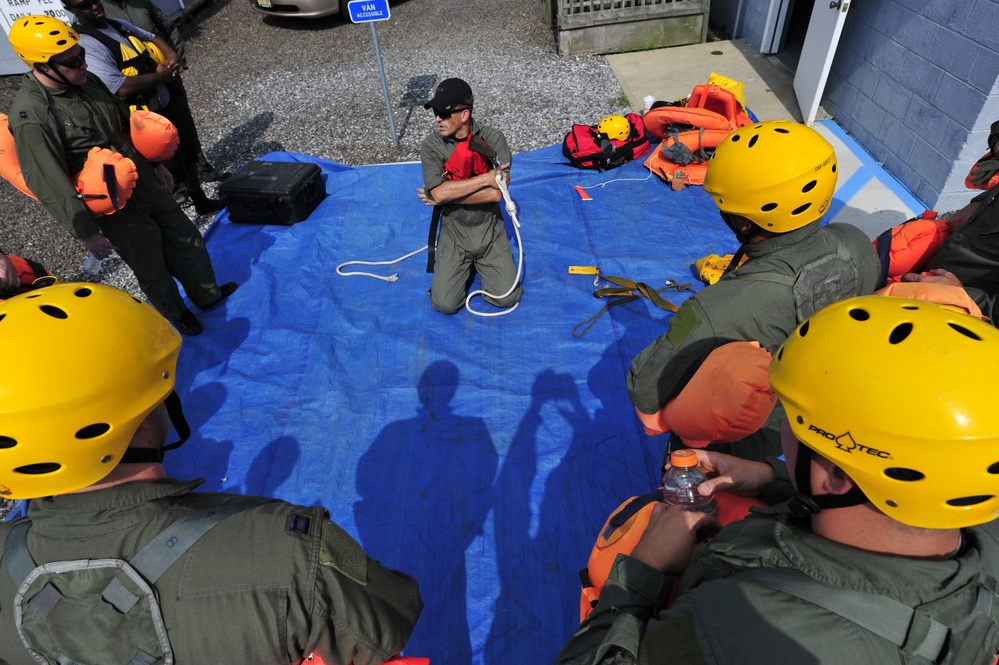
x,y
202,204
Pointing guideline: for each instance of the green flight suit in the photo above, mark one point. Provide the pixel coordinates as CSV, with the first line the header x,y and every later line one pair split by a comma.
x,y
717,619
259,588
738,308
150,233
470,235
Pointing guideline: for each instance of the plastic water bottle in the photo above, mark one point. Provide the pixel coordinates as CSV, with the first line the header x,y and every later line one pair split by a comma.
x,y
92,265
681,481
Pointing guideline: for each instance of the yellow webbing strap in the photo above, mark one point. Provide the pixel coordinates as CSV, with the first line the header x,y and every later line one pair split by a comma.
x,y
625,291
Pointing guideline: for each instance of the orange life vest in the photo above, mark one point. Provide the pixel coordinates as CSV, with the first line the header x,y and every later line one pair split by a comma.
x,y
708,107
10,165
700,142
27,271
624,528
943,294
315,659
906,247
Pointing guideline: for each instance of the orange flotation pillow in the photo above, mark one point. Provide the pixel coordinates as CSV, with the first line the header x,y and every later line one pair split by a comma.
x,y
100,198
153,136
727,399
624,528
942,294
10,165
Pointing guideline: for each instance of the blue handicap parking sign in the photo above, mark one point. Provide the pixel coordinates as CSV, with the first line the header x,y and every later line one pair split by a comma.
x,y
362,11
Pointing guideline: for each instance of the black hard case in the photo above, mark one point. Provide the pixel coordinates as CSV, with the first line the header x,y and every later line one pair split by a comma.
x,y
273,193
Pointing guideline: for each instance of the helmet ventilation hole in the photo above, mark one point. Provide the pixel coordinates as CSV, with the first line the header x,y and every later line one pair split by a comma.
x,y
907,475
781,130
780,353
969,500
994,469
809,187
736,138
7,442
768,207
964,331
54,312
801,420
910,307
803,329
900,332
891,504
834,168
859,314
38,469
753,140
801,209
82,293
3,316
92,431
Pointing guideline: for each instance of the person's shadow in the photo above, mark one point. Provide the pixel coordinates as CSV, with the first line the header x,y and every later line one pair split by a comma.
x,y
425,488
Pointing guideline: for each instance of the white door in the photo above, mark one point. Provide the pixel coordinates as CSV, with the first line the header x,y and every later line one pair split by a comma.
x,y
824,29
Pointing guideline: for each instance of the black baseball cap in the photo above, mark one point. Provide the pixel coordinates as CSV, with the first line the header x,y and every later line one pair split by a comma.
x,y
451,93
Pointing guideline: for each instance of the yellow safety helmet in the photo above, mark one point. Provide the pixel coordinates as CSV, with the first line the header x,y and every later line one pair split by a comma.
x,y
900,394
37,38
94,362
615,127
778,174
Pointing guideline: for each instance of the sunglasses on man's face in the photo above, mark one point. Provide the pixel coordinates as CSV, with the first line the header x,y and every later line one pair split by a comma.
x,y
83,5
444,115
72,63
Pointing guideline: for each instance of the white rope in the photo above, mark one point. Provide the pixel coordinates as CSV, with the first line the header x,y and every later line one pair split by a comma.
x,y
604,184
390,278
511,209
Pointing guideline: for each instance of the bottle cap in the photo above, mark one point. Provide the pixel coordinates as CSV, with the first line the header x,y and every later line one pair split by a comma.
x,y
683,458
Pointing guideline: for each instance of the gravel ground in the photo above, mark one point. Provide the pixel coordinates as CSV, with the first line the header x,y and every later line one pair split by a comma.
x,y
259,84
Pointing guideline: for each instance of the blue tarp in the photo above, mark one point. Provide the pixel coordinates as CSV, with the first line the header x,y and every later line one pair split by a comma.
x,y
480,455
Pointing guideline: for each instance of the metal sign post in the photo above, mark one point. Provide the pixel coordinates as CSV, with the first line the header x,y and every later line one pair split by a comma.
x,y
369,11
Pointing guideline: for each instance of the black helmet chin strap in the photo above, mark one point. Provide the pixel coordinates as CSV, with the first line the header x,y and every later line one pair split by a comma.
x,y
59,76
804,502
155,455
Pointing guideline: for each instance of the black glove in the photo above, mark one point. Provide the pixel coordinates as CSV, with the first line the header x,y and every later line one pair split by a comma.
x,y
983,171
994,139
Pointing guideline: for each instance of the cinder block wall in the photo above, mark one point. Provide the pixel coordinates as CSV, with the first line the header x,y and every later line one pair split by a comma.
x,y
747,26
917,83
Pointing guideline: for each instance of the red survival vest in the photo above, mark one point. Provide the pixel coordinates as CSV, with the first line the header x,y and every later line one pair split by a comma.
x,y
464,163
